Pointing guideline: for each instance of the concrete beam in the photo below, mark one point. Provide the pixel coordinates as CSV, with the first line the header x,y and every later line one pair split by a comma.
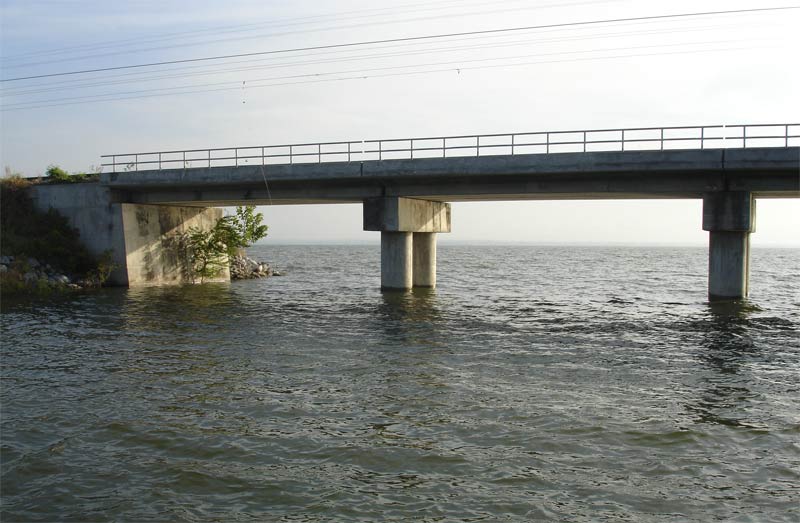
x,y
406,215
729,211
646,163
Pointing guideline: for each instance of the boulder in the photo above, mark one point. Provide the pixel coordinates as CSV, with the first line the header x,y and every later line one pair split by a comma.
x,y
244,268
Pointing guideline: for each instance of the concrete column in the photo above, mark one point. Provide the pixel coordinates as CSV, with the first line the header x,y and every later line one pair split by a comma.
x,y
730,218
408,229
424,259
728,265
396,263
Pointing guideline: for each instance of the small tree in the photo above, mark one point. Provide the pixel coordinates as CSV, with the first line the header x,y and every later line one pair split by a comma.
x,y
209,251
247,227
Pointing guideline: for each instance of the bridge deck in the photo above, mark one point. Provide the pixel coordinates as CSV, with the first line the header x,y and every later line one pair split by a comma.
x,y
766,172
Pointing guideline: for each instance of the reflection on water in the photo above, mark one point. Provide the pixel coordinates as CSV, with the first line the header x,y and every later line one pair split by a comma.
x,y
728,347
535,384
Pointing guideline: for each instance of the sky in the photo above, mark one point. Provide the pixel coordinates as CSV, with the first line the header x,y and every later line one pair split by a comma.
x,y
699,70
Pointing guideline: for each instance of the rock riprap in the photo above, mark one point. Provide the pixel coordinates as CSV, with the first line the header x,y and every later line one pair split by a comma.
x,y
34,273
244,268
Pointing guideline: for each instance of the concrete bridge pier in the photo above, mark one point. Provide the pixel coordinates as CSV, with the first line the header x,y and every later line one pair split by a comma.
x,y
730,218
408,230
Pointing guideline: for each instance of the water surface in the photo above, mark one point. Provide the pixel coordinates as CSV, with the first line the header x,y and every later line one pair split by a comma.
x,y
535,384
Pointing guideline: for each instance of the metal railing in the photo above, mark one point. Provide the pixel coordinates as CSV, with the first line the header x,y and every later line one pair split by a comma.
x,y
543,142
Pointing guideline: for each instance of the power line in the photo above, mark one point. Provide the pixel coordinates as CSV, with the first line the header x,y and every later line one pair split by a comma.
x,y
329,28
141,75
218,30
376,69
459,69
81,84
406,39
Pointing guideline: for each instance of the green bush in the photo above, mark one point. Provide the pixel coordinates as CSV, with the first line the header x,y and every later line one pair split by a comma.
x,y
209,251
56,174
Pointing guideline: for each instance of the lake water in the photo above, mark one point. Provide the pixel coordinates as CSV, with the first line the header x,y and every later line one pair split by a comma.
x,y
535,384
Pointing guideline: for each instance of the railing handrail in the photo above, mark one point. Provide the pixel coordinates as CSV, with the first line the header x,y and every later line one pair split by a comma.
x,y
514,145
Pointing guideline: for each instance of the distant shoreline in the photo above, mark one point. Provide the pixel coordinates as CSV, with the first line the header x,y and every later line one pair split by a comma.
x,y
487,243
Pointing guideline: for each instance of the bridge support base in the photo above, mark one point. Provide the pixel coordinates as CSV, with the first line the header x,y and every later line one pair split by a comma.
x,y
408,239
730,219
144,240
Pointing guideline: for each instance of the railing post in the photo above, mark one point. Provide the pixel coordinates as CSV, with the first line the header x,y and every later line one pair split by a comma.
x,y
444,147
236,157
159,161
319,153
512,144
262,156
584,141
184,159
786,136
209,158
547,142
662,139
702,138
291,158
412,148
744,137
623,140
380,150
136,162
477,146
114,162
348,152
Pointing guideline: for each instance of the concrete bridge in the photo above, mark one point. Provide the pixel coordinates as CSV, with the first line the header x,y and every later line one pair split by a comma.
x,y
405,186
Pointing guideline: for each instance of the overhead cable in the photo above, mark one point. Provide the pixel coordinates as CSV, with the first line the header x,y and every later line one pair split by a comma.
x,y
405,39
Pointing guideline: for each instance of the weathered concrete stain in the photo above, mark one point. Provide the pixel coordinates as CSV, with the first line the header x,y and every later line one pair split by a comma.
x,y
143,221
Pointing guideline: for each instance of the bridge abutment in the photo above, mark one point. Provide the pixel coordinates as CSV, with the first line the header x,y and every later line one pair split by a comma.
x,y
730,218
143,239
408,230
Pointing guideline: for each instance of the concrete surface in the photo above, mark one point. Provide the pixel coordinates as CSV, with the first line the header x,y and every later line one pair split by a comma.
x,y
729,217
90,209
406,215
153,253
424,254
729,211
140,237
396,263
728,265
765,172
